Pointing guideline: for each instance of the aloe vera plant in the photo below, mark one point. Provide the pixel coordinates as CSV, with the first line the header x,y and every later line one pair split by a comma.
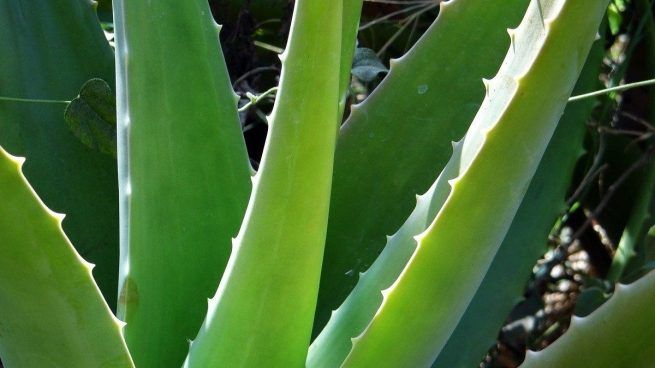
x,y
223,266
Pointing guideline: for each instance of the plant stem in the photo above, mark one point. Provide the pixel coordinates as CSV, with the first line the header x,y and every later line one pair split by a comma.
x,y
32,100
623,87
255,99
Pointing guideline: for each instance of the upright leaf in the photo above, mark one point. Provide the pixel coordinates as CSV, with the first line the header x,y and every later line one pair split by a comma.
x,y
523,244
526,239
333,344
261,315
393,145
499,156
183,171
633,253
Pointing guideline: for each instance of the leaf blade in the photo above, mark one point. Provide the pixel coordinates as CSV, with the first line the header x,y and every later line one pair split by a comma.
x,y
374,143
499,154
52,313
263,309
183,171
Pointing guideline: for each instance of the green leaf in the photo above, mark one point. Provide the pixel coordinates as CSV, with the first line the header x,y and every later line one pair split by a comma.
x,y
632,251
49,49
589,300
51,311
499,156
91,116
640,272
526,238
615,18
183,169
618,334
262,313
333,344
400,139
500,289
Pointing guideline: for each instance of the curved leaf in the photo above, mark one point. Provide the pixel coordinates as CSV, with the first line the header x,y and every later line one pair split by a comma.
x,y
499,156
395,143
619,334
51,311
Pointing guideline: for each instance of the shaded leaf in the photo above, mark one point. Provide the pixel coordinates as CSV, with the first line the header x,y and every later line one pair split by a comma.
x,y
91,116
366,65
589,300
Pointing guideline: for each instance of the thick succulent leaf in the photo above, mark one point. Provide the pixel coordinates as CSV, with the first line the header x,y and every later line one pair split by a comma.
x,y
526,238
524,243
262,313
183,171
399,138
619,334
333,344
49,50
500,153
51,311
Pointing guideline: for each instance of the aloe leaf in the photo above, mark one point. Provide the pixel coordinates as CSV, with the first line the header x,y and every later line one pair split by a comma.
x,y
49,50
500,153
183,171
51,312
526,238
399,138
262,313
523,244
333,344
620,333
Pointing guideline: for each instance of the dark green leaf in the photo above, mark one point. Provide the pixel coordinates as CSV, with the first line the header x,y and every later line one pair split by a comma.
x,y
589,300
49,49
91,116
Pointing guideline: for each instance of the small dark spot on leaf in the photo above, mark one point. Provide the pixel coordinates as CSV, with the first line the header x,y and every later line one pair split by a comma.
x,y
129,293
